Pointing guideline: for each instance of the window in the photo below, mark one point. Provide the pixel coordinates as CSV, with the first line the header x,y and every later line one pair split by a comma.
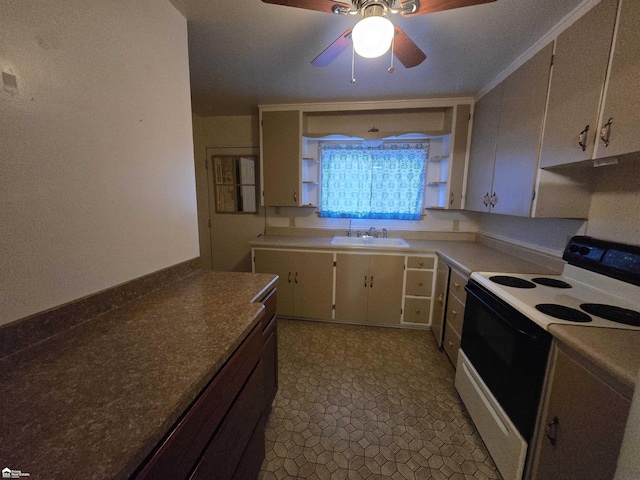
x,y
235,183
384,181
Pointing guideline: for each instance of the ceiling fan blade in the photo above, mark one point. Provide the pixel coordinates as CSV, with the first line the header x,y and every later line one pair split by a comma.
x,y
327,6
406,51
431,6
332,51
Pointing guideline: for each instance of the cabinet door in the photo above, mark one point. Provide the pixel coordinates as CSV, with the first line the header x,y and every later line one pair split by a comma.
x,y
623,95
313,285
352,287
591,419
281,157
579,68
482,155
521,115
278,262
442,283
458,155
384,302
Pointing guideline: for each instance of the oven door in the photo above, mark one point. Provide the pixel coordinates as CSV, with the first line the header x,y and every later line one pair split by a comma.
x,y
509,352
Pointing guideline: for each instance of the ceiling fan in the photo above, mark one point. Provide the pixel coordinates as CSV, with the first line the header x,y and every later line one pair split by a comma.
x,y
375,34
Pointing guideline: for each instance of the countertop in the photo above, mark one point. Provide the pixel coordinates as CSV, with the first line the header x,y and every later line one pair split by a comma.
x,y
615,351
464,256
94,401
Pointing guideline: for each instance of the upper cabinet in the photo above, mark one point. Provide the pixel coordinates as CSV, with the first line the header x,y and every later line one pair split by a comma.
x,y
291,138
593,97
503,162
579,70
619,125
281,155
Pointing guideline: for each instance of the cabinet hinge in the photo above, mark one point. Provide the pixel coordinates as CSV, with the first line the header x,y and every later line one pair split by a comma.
x,y
553,57
534,196
400,311
334,263
333,307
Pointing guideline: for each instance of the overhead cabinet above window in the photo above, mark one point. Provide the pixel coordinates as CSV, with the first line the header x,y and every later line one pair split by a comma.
x,y
290,140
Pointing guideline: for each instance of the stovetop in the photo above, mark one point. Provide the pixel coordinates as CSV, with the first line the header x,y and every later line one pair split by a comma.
x,y
542,297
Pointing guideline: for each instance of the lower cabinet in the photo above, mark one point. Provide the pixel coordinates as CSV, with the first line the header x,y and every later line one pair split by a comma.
x,y
454,317
369,288
440,294
582,423
305,286
221,435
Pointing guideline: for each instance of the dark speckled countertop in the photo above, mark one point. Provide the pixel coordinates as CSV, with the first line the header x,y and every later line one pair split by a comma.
x,y
93,401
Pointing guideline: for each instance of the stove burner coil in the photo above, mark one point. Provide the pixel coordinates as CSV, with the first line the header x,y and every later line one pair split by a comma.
x,y
551,282
613,313
508,281
563,313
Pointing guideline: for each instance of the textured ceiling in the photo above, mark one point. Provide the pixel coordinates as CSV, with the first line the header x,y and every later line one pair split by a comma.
x,y
247,52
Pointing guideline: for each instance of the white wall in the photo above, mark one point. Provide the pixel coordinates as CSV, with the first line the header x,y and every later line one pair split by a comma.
x,y
97,179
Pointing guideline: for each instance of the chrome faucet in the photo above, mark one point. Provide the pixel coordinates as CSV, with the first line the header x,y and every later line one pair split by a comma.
x,y
384,233
349,231
372,232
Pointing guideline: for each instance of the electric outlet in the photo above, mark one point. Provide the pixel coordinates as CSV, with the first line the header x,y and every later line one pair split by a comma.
x,y
292,221
456,225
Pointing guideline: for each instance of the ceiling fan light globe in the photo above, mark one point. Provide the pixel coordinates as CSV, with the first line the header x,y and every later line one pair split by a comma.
x,y
372,36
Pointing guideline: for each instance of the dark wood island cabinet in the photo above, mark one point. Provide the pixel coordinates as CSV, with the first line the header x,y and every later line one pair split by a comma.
x,y
221,435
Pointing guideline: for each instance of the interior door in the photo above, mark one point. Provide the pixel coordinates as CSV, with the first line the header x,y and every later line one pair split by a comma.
x,y
313,285
352,287
384,303
279,262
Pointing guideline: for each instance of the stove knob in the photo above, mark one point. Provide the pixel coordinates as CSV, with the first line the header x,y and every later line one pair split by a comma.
x,y
573,248
584,250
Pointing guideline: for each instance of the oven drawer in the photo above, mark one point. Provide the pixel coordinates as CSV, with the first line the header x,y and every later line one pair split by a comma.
x,y
505,444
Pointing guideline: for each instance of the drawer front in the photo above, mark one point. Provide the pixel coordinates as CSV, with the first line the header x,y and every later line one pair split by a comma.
x,y
451,343
416,310
419,283
455,314
421,262
457,284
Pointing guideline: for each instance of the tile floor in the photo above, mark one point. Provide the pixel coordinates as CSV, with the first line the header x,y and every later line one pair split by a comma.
x,y
361,402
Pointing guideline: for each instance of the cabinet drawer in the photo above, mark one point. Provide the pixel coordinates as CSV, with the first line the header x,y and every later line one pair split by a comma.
x,y
457,284
455,314
420,262
451,343
419,283
416,310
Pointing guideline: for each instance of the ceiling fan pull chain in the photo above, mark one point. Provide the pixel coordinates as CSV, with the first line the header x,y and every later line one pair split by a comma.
x,y
393,41
353,64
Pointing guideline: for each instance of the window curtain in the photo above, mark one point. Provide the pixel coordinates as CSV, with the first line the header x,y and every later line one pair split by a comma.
x,y
373,182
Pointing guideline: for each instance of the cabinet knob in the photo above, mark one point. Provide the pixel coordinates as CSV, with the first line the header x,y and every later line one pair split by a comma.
x,y
295,195
454,313
440,299
456,284
485,199
450,344
451,199
421,263
417,310
365,281
295,279
371,282
289,278
493,199
419,284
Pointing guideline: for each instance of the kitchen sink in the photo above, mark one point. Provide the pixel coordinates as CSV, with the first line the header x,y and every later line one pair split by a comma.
x,y
372,241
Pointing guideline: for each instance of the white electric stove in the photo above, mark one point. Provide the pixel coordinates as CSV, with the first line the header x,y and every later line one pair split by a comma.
x,y
577,297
